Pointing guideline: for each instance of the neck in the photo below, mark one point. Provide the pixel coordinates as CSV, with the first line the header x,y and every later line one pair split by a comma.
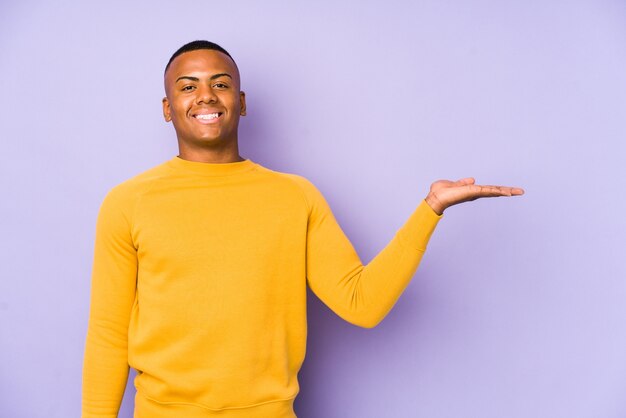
x,y
210,155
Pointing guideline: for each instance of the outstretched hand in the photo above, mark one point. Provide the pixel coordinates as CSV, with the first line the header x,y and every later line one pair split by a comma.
x,y
445,193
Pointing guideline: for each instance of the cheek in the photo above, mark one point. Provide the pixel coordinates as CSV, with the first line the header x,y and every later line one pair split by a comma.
x,y
178,109
231,100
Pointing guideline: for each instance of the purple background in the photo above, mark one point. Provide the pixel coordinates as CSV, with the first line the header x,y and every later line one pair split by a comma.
x,y
518,309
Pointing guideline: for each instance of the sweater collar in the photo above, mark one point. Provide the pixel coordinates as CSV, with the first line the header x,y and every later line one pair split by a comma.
x,y
211,169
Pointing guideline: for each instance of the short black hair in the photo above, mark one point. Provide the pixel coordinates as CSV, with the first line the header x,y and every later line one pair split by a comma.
x,y
195,45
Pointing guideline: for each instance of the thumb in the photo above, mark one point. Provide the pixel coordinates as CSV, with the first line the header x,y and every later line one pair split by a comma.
x,y
465,181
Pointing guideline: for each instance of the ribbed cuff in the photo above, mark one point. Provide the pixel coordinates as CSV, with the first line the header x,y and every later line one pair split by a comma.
x,y
417,230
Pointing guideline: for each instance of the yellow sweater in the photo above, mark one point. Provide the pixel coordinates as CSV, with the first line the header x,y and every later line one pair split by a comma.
x,y
199,283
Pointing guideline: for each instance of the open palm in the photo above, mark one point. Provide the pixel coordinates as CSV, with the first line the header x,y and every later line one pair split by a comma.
x,y
446,193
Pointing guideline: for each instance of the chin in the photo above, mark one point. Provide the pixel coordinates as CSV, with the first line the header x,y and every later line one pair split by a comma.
x,y
210,140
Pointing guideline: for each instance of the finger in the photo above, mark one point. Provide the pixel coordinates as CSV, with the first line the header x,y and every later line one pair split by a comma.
x,y
510,191
477,190
481,190
465,181
493,191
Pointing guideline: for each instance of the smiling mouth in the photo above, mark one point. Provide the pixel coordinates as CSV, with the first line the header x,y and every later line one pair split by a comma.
x,y
209,116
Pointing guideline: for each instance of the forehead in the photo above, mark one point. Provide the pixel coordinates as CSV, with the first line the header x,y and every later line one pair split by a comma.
x,y
201,62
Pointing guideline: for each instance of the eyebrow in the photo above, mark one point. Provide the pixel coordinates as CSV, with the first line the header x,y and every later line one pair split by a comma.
x,y
213,77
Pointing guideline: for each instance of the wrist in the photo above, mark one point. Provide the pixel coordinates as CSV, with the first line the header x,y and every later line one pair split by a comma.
x,y
434,204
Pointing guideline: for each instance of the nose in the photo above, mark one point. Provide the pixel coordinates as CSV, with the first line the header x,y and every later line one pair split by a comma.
x,y
205,95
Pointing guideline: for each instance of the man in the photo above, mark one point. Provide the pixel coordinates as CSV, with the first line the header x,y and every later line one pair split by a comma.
x,y
201,265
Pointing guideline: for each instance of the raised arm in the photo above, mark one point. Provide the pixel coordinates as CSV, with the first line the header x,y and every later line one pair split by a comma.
x,y
364,294
113,283
361,294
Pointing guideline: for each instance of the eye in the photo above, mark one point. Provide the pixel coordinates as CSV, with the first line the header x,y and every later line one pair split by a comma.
x,y
187,88
220,85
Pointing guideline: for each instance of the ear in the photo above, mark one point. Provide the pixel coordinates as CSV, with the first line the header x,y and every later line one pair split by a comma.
x,y
166,110
242,101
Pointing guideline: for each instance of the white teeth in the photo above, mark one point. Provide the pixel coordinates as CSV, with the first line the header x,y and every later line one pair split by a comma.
x,y
207,117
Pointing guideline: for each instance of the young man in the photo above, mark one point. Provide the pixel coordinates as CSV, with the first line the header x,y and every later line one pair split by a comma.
x,y
201,265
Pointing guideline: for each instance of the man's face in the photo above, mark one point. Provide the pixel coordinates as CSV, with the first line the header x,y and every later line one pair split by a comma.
x,y
203,99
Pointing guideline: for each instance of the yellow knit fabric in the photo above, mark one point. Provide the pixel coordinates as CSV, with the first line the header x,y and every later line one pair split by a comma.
x,y
199,283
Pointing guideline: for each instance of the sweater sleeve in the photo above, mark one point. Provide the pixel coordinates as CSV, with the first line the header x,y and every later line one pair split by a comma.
x,y
113,283
362,295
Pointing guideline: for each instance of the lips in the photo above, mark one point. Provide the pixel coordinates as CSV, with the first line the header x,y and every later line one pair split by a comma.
x,y
207,116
